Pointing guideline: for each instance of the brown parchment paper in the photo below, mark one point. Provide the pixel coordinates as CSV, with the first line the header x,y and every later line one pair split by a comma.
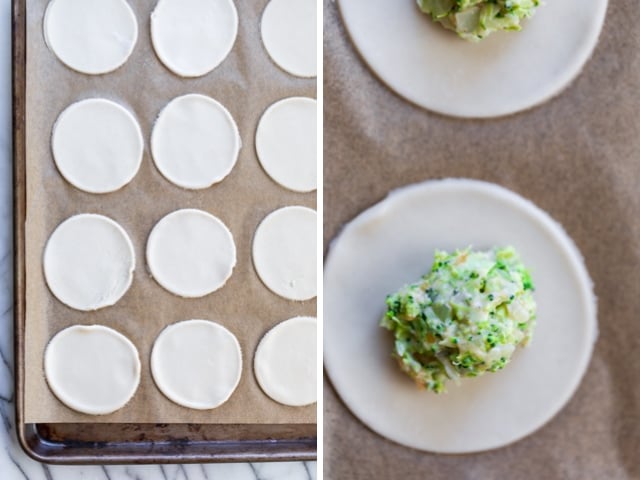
x,y
247,82
577,157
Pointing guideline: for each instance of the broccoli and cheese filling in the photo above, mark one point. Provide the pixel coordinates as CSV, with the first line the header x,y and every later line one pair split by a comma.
x,y
462,319
475,19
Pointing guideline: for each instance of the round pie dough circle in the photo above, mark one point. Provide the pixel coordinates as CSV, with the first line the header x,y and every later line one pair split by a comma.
x,y
285,362
89,262
97,145
376,254
286,142
191,253
195,142
91,36
503,74
196,363
289,35
284,252
92,369
192,37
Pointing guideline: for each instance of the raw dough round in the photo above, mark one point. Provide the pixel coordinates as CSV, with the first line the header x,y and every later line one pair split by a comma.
x,y
91,36
195,142
191,253
89,262
284,252
97,145
289,35
192,37
392,244
504,73
92,369
286,141
196,363
285,362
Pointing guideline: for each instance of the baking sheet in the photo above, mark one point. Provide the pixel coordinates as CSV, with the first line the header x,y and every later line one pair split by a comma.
x,y
578,158
247,82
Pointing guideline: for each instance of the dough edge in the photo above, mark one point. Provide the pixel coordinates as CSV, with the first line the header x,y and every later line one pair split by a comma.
x,y
253,253
263,164
157,378
85,72
130,247
228,116
77,407
274,331
129,116
169,64
208,216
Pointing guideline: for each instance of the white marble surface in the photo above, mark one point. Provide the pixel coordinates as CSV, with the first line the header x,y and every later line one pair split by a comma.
x,y
14,463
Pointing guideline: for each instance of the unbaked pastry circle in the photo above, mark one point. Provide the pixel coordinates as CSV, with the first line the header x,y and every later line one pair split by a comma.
x,y
97,145
289,35
92,369
191,253
89,262
286,141
503,74
284,252
285,362
196,363
192,37
392,244
91,36
195,141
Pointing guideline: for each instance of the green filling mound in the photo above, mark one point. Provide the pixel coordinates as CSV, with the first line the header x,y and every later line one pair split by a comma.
x,y
475,19
464,318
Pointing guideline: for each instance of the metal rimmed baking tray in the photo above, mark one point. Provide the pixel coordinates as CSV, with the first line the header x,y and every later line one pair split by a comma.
x,y
66,442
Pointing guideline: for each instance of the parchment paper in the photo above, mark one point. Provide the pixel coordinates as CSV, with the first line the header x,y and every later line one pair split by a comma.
x,y
247,82
577,157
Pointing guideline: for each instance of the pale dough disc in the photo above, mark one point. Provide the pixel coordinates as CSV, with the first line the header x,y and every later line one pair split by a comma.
x,y
289,35
89,262
392,244
97,145
286,141
191,253
195,141
196,363
285,362
192,37
91,36
503,74
92,369
284,252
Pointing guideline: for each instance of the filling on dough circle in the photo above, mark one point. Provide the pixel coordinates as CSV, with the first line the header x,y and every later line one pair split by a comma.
x,y
191,253
196,363
285,362
97,145
387,245
284,252
192,37
89,262
289,35
195,142
92,369
91,36
286,143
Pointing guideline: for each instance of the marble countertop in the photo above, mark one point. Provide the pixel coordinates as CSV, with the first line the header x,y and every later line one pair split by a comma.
x,y
14,463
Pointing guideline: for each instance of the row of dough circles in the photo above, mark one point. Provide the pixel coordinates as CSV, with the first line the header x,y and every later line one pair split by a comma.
x,y
98,145
197,364
89,259
190,37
